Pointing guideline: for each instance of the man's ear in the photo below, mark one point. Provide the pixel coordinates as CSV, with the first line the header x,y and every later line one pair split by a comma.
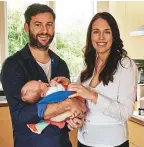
x,y
26,28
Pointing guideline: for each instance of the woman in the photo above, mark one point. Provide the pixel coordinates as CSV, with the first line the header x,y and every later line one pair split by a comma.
x,y
108,83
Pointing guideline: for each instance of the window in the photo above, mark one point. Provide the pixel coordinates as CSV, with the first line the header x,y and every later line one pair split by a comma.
x,y
72,19
17,38
3,31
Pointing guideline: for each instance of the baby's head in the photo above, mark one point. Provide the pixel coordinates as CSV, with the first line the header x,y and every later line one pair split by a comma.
x,y
33,90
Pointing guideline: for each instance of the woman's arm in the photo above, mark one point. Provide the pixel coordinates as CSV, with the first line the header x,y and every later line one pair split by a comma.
x,y
123,107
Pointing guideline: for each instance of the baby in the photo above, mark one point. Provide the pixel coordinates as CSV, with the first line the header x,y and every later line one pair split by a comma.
x,y
40,92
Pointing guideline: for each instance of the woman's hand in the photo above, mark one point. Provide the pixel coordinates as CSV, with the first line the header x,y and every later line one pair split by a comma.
x,y
82,91
62,80
75,123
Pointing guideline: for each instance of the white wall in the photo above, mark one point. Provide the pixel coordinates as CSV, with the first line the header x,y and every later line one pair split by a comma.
x,y
130,15
3,32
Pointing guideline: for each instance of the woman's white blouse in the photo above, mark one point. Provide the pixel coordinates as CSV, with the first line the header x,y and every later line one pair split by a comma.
x,y
105,124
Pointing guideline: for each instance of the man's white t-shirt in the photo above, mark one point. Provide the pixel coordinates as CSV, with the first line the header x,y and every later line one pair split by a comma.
x,y
47,68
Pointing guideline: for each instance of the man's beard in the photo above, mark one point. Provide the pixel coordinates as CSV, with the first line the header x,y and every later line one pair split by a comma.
x,y
34,42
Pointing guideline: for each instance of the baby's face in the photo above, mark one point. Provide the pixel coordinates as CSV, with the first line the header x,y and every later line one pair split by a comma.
x,y
44,87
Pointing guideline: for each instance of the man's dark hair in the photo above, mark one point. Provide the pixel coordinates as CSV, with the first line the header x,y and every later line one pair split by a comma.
x,y
116,53
35,9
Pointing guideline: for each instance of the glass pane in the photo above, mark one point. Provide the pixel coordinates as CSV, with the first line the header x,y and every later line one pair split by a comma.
x,y
17,38
72,21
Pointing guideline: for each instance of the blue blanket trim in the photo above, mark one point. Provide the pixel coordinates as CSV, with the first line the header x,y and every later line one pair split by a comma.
x,y
41,109
55,97
52,98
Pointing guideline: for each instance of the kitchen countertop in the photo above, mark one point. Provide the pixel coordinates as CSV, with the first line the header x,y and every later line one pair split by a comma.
x,y
135,118
3,101
139,119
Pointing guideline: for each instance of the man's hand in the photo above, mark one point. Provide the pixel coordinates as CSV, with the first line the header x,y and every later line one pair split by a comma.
x,y
77,107
75,123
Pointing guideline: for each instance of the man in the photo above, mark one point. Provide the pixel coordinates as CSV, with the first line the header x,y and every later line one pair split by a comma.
x,y
36,62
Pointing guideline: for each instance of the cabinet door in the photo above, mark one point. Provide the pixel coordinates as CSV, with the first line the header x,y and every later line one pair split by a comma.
x,y
73,137
6,139
136,134
132,145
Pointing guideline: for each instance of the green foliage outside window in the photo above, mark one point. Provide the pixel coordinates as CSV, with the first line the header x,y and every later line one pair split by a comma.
x,y
17,38
69,45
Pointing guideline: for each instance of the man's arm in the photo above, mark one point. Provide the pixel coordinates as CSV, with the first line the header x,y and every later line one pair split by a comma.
x,y
73,105
13,78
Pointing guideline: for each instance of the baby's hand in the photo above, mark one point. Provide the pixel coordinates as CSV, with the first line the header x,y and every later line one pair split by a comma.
x,y
62,80
53,82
